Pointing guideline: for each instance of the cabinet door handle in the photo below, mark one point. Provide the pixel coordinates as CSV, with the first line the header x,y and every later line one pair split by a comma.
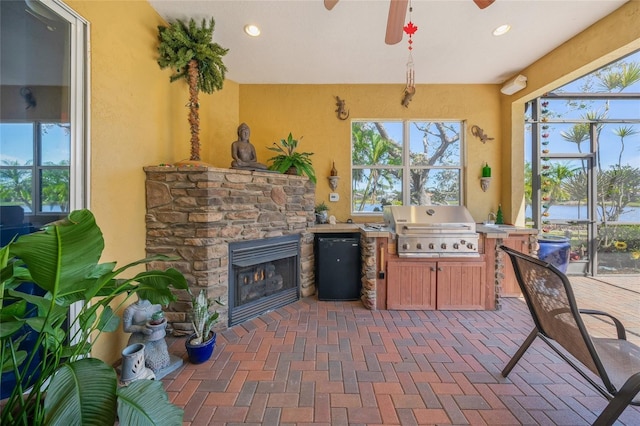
x,y
440,269
433,269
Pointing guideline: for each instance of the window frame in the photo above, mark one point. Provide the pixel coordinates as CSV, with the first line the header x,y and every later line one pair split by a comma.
x,y
79,114
406,165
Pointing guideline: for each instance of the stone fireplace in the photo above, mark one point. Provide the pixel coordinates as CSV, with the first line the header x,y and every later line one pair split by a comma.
x,y
199,214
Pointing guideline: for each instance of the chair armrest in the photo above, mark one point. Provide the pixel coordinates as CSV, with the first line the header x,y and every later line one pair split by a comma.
x,y
622,334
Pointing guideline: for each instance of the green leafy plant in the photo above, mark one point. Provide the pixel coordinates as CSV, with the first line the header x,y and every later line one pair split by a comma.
x,y
321,207
61,262
288,158
188,50
203,318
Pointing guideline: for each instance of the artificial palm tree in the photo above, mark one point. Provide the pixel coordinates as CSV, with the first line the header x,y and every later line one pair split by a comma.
x,y
190,52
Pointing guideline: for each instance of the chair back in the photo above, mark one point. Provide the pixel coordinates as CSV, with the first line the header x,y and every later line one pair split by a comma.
x,y
552,304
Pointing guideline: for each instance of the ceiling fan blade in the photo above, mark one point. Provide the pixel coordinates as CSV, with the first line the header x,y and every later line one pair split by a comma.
x,y
483,3
328,4
395,21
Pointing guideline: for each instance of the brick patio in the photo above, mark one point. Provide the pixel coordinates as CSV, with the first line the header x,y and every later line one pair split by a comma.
x,y
337,363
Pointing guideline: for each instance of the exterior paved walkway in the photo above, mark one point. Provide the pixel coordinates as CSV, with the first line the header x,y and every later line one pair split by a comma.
x,y
336,363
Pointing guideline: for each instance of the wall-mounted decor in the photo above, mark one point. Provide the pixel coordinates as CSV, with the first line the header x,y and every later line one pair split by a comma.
x,y
479,133
485,180
342,112
334,178
28,97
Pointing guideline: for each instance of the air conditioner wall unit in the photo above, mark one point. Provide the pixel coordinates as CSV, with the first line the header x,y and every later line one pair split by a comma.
x,y
514,85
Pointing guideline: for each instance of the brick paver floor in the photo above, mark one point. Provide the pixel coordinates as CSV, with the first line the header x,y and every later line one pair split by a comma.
x,y
337,363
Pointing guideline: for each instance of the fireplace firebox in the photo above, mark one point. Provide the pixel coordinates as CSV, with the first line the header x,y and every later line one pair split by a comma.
x,y
263,275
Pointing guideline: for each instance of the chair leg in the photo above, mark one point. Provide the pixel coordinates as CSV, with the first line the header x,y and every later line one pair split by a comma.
x,y
620,402
523,348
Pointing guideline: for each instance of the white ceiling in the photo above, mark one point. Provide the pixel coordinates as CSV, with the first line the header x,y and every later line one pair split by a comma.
x,y
303,43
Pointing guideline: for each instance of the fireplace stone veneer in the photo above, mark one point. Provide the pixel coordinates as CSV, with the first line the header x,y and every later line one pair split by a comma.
x,y
194,212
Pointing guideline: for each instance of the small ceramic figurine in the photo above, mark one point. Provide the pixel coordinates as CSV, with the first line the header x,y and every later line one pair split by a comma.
x,y
138,319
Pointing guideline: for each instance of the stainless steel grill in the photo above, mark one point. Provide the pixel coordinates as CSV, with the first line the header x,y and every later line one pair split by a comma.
x,y
432,231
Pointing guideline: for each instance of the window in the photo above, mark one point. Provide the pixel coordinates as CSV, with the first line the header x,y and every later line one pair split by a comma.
x,y
43,129
405,163
35,176
582,178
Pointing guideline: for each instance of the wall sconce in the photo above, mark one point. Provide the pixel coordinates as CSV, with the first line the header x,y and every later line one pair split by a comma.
x,y
514,85
485,180
334,178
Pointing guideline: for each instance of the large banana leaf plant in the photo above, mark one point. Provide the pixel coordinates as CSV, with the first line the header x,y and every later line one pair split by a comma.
x,y
57,382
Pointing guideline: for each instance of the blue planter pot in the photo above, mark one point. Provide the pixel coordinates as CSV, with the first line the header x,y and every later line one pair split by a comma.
x,y
555,250
200,353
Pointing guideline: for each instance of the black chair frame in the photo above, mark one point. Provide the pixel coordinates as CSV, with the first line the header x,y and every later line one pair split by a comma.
x,y
584,348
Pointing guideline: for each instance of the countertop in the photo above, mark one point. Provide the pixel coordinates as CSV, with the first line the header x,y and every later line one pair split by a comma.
x,y
369,230
374,230
502,231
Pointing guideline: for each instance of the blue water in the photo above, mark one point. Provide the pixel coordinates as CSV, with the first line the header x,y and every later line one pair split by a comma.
x,y
631,214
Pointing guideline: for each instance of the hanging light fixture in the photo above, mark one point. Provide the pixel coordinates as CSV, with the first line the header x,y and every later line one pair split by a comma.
x,y
410,89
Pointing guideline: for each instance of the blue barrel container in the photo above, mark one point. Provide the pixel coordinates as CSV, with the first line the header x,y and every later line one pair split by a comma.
x,y
555,250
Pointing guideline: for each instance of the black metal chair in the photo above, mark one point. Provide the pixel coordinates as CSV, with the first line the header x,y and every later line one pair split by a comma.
x,y
558,323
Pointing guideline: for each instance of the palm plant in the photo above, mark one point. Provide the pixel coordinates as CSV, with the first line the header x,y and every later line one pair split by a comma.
x,y
188,50
623,132
290,159
56,383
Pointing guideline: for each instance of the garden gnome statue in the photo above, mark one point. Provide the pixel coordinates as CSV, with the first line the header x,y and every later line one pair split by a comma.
x,y
243,153
146,328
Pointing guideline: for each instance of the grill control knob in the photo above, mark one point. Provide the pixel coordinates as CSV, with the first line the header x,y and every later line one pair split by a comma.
x,y
431,246
405,246
463,242
419,246
456,246
470,246
443,246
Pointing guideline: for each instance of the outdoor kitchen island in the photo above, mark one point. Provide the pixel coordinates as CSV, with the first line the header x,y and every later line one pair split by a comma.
x,y
391,282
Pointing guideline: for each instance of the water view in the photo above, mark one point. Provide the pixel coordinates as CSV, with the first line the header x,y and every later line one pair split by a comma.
x,y
573,212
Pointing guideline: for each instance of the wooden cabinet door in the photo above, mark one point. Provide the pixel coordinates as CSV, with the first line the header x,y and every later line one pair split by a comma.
x,y
411,285
509,286
461,285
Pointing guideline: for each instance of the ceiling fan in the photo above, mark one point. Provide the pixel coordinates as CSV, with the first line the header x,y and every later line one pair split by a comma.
x,y
397,14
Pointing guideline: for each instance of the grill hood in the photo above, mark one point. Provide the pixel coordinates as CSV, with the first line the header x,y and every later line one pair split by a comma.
x,y
432,231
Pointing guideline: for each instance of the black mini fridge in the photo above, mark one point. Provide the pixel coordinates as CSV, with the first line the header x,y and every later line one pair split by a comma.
x,y
338,266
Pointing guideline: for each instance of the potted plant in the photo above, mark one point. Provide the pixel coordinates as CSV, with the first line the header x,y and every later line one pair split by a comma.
x,y
321,211
189,51
291,161
201,343
56,381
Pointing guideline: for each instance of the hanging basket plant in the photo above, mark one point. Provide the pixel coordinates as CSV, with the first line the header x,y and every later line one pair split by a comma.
x,y
189,51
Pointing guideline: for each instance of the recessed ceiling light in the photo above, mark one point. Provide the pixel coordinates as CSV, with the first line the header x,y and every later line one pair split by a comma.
x,y
252,30
502,29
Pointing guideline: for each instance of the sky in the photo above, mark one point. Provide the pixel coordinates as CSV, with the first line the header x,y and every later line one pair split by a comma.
x,y
16,143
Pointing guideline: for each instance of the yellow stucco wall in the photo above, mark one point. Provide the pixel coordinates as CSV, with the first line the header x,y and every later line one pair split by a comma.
x,y
138,118
272,111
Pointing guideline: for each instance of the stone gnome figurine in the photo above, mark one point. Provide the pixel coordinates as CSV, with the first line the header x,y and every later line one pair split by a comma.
x,y
137,320
243,153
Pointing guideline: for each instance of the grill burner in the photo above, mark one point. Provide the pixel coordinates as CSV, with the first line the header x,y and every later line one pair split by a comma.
x,y
433,231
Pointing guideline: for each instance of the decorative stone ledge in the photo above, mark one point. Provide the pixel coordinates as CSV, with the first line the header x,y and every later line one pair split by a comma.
x,y
193,212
